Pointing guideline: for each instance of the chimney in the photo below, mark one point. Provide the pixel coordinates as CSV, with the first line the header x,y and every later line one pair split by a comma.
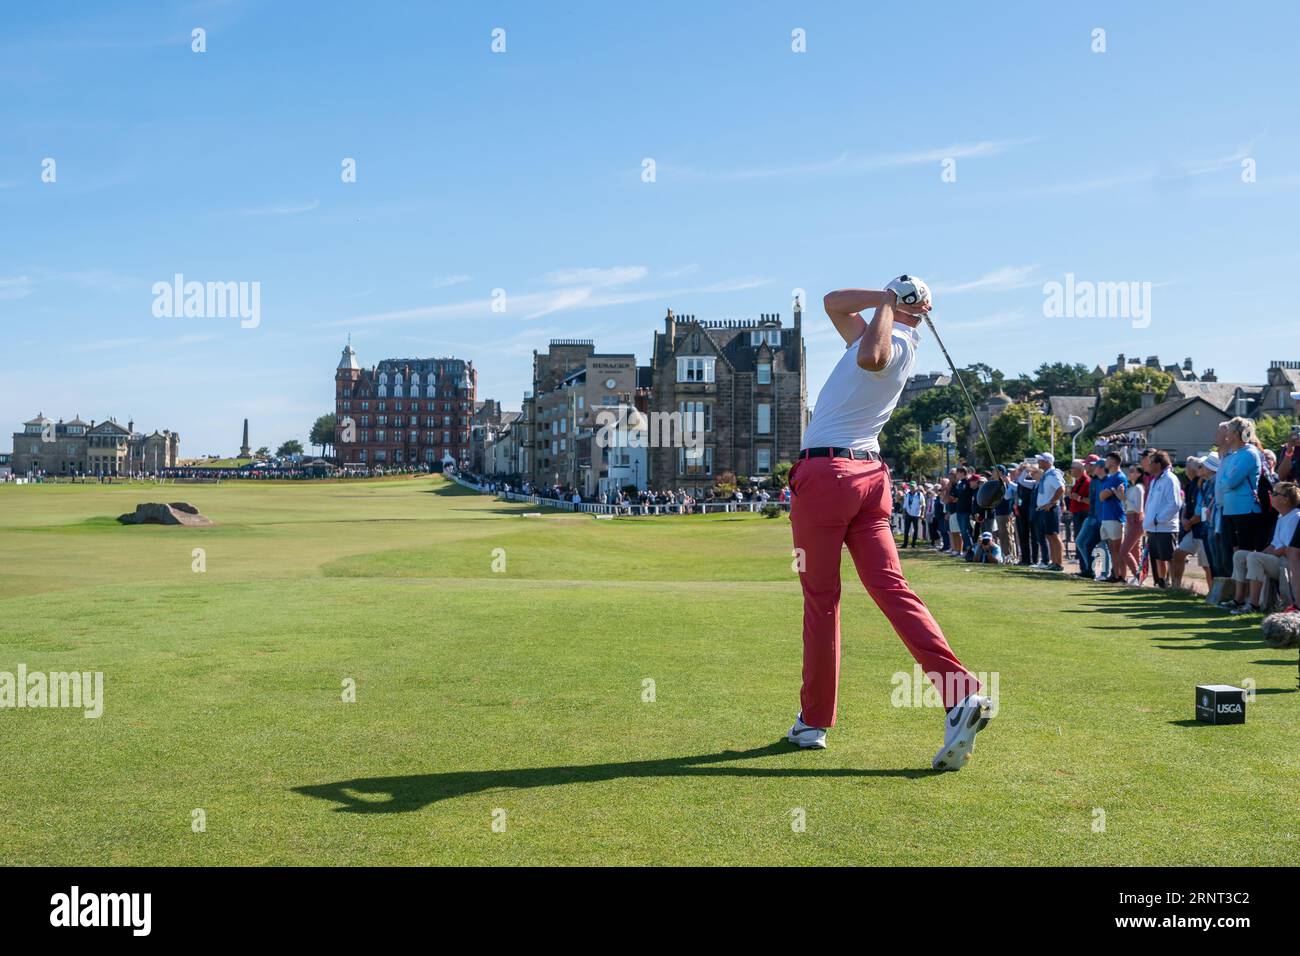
x,y
1187,365
1119,362
1209,376
798,312
670,328
1148,399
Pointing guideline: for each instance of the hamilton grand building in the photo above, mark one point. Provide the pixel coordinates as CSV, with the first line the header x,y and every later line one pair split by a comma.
x,y
403,412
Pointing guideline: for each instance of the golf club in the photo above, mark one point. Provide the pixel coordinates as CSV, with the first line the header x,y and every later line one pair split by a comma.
x,y
969,401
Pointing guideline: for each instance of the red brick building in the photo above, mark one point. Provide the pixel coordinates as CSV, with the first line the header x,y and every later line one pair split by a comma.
x,y
403,412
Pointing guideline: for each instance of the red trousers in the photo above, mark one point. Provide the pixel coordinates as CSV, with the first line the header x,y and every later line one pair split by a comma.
x,y
842,501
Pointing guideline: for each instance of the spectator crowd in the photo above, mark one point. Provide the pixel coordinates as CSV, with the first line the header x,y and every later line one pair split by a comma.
x,y
1130,515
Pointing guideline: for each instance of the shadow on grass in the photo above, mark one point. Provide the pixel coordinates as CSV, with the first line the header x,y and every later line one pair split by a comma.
x,y
407,794
453,490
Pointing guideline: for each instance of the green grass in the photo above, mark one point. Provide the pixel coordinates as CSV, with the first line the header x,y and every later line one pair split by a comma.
x,y
521,691
225,463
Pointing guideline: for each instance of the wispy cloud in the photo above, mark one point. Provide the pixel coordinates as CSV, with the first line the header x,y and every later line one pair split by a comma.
x,y
999,280
1199,167
602,289
100,280
996,320
443,282
848,163
105,345
597,277
16,287
1130,178
285,209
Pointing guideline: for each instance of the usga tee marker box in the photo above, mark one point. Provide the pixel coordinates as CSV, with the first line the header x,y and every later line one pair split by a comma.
x,y
1220,704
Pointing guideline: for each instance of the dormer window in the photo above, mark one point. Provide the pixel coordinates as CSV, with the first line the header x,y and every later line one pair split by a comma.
x,y
771,336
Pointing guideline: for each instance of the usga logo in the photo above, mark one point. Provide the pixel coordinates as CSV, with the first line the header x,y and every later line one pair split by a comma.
x,y
1230,708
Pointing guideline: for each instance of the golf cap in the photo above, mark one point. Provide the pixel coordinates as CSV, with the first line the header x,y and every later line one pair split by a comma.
x,y
1091,459
986,536
1210,461
1048,457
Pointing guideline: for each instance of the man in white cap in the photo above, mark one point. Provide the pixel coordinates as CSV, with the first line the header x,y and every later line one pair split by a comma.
x,y
841,498
1051,489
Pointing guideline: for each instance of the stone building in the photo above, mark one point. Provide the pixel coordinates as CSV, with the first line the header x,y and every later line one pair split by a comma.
x,y
746,379
404,412
572,385
78,447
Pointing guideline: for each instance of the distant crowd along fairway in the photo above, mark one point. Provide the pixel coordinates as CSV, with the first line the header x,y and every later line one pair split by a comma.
x,y
565,690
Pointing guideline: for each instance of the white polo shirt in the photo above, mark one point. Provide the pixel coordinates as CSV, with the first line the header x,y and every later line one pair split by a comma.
x,y
855,404
1285,529
1051,481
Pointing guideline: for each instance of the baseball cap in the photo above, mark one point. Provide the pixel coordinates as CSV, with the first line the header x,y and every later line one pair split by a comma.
x,y
1091,459
986,536
1048,457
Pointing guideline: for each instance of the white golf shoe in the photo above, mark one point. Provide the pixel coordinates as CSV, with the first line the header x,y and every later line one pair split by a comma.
x,y
806,736
962,724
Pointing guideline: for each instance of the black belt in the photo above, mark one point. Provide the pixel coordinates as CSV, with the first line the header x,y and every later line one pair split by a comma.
x,y
840,453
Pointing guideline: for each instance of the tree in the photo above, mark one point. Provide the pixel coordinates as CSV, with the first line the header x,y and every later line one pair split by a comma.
x,y
1061,378
781,474
262,452
291,447
1020,388
926,460
322,433
1274,430
1121,393
1009,434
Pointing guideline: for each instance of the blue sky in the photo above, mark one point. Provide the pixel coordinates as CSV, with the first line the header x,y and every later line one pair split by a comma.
x,y
522,171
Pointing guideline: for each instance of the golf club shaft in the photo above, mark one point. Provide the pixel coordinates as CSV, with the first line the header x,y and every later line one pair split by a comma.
x,y
969,401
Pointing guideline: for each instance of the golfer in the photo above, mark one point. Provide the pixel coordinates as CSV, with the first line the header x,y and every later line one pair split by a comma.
x,y
840,494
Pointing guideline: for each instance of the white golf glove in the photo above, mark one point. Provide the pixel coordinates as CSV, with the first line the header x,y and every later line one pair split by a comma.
x,y
909,289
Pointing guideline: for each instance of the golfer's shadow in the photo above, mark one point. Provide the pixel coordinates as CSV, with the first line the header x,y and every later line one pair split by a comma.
x,y
406,794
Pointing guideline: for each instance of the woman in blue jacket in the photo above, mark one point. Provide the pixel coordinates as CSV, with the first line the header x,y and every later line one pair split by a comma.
x,y
1237,484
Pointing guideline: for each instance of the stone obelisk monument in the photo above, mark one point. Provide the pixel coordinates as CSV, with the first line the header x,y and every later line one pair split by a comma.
x,y
243,449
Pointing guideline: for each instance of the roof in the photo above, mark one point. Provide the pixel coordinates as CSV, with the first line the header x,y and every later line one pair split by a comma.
x,y
1219,394
1147,417
1292,375
1081,406
40,419
732,341
109,425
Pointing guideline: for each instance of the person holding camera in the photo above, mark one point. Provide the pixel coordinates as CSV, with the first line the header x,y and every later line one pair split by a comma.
x,y
986,550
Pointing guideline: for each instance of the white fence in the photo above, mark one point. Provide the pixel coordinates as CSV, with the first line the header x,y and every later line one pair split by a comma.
x,y
633,509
